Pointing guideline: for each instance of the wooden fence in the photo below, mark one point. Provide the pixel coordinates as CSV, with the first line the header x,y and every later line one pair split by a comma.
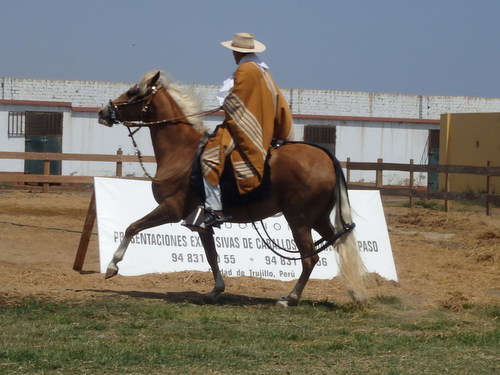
x,y
46,178
487,198
411,191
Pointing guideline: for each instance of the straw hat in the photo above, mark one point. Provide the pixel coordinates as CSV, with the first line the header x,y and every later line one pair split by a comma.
x,y
244,42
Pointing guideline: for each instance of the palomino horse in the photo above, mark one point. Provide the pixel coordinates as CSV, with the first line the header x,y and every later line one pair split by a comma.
x,y
306,185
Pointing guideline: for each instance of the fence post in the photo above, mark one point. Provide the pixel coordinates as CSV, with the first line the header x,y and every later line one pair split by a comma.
x,y
379,175
412,184
119,164
348,171
447,203
86,233
46,171
489,190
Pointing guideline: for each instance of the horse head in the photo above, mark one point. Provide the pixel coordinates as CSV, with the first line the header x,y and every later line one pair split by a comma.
x,y
132,105
139,104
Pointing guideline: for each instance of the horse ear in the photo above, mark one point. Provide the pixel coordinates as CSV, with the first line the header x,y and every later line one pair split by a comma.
x,y
155,78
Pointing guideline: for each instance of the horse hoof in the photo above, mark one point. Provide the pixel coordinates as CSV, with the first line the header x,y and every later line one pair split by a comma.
x,y
283,304
210,297
361,299
110,273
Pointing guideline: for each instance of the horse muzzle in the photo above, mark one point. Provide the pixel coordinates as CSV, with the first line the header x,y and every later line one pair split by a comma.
x,y
105,116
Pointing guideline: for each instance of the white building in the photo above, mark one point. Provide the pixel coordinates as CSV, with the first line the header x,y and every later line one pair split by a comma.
x,y
61,116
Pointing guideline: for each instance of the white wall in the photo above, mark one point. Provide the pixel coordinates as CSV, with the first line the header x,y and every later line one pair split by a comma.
x,y
84,135
393,142
302,101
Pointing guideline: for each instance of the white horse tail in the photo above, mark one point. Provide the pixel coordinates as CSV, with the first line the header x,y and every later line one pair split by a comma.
x,y
351,267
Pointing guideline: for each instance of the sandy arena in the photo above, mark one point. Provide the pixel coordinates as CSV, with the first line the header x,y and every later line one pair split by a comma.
x,y
442,259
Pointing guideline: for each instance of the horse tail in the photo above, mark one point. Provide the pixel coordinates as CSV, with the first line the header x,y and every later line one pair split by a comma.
x,y
351,267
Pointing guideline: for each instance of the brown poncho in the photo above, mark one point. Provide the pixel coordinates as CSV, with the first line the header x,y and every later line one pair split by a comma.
x,y
256,112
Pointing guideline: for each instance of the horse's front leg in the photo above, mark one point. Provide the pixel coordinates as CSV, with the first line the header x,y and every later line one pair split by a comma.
x,y
207,238
112,269
153,219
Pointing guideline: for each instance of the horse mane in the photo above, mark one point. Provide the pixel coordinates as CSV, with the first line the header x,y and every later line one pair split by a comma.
x,y
186,98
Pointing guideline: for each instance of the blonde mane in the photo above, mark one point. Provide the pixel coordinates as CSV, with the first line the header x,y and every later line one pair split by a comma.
x,y
189,102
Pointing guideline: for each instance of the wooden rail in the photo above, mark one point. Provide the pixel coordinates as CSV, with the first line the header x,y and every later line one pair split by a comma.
x,y
46,178
412,192
487,198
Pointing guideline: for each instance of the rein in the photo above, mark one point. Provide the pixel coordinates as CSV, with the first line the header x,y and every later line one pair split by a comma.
x,y
322,242
140,125
171,121
115,114
139,154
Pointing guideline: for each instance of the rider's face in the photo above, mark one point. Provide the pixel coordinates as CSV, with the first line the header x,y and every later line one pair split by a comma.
x,y
237,56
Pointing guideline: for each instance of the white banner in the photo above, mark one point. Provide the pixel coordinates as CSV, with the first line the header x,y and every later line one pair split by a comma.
x,y
242,252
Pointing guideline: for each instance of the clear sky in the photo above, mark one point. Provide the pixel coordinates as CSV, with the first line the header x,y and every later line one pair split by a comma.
x,y
432,47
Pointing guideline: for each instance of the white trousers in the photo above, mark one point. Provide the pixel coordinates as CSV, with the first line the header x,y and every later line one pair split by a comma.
x,y
213,198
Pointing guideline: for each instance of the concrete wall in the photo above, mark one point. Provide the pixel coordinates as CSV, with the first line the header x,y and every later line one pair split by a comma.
x,y
302,101
77,93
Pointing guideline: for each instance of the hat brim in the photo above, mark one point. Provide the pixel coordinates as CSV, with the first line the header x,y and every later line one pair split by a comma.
x,y
258,47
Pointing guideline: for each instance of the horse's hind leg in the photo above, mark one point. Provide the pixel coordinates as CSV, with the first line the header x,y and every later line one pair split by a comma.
x,y
324,228
351,268
207,239
303,238
153,219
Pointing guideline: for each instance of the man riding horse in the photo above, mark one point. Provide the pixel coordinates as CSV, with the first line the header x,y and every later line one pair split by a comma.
x,y
302,181
256,112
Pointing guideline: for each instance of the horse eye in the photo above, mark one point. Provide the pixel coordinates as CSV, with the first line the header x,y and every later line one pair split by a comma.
x,y
133,91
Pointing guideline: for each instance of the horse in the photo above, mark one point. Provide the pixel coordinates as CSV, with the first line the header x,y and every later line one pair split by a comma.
x,y
306,184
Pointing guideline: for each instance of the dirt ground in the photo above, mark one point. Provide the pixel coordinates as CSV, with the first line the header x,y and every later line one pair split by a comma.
x,y
442,259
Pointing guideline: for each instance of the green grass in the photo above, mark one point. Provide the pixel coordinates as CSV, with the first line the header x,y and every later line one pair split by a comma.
x,y
430,204
149,336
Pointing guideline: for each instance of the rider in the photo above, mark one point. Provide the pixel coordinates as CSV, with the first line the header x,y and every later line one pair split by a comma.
x,y
256,112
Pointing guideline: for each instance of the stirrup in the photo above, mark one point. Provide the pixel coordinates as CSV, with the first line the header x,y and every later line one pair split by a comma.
x,y
201,219
213,218
196,219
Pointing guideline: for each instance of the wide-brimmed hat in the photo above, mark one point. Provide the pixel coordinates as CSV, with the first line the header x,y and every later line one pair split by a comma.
x,y
244,42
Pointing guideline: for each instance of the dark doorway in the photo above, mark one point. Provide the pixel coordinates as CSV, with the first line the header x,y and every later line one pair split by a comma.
x,y
433,159
43,133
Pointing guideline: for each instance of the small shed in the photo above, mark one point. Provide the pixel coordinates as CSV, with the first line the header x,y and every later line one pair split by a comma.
x,y
471,139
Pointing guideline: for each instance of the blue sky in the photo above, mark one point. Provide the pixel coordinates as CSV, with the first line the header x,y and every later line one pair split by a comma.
x,y
431,47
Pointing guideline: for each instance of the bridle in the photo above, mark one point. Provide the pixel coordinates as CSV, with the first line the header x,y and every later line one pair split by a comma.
x,y
114,108
115,116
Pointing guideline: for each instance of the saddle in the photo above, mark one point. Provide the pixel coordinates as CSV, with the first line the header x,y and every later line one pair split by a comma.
x,y
229,190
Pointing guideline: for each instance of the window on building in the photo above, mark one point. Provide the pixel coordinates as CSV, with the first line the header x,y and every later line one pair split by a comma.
x,y
321,135
44,123
16,126
28,123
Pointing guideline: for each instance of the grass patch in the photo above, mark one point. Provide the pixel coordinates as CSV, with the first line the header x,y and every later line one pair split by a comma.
x,y
486,311
430,204
130,336
388,300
